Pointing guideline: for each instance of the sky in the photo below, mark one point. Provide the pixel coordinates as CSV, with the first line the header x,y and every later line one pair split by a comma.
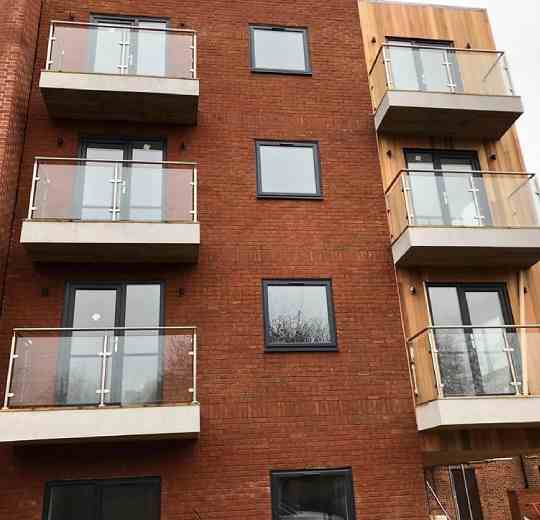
x,y
516,28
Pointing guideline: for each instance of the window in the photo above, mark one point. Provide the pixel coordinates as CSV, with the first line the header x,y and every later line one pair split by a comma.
x,y
280,49
117,49
298,315
288,170
466,493
313,495
121,499
446,189
134,370
479,359
428,65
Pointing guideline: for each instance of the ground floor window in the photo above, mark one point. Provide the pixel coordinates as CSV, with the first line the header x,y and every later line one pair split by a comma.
x,y
119,499
313,495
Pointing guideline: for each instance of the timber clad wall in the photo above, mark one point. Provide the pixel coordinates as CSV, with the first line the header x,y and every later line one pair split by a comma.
x,y
259,411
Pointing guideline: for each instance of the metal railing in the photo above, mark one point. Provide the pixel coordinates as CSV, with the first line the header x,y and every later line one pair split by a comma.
x,y
104,48
453,198
475,361
430,68
104,190
117,366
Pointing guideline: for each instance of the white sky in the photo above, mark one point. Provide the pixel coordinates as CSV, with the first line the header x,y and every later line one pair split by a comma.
x,y
516,27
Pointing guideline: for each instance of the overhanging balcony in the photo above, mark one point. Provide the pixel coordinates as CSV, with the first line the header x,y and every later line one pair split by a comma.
x,y
464,218
81,385
112,211
443,91
125,73
473,377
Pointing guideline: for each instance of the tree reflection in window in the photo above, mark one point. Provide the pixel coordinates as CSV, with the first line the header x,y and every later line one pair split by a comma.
x,y
299,314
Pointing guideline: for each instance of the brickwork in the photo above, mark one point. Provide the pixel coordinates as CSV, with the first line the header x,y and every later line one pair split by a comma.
x,y
259,411
18,30
501,484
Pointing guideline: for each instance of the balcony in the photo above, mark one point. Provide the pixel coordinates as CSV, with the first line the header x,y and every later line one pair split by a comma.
x,y
112,211
471,377
443,91
120,72
464,218
68,385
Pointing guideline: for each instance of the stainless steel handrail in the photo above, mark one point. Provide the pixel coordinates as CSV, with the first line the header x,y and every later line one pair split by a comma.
x,y
453,49
40,158
474,172
118,26
461,327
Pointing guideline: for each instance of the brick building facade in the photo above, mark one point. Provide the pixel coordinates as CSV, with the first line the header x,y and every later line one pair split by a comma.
x,y
259,411
344,406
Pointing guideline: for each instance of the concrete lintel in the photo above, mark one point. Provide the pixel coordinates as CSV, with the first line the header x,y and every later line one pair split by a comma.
x,y
106,424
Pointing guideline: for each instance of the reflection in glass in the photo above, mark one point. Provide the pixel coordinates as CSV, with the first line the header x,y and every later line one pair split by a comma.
x,y
148,52
403,66
434,71
279,50
288,169
317,497
298,314
108,49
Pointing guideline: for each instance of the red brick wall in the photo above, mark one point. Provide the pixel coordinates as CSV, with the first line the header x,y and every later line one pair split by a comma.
x,y
495,479
259,411
18,31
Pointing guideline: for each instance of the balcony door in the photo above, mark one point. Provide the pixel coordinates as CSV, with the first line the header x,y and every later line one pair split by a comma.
x,y
480,360
423,65
446,189
132,359
121,191
125,45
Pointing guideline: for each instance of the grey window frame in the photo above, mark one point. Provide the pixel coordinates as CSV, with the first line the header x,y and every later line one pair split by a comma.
x,y
314,145
332,346
99,484
275,476
308,71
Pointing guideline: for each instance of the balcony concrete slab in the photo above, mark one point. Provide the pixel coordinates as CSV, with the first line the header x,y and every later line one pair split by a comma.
x,y
467,116
467,247
104,424
150,99
77,241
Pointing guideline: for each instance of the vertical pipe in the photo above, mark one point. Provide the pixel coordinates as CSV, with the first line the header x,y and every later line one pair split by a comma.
x,y
194,401
12,358
35,179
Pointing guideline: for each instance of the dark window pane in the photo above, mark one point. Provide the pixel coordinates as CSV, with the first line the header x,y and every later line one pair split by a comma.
x,y
298,314
279,50
130,502
138,499
313,497
288,169
72,501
